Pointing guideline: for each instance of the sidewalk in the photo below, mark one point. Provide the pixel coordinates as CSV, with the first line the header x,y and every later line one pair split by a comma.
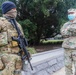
x,y
60,72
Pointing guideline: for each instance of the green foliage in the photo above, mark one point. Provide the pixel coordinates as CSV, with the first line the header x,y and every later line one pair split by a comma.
x,y
29,29
52,42
42,14
31,50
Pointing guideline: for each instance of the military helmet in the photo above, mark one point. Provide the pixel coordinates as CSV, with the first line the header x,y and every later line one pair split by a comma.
x,y
72,10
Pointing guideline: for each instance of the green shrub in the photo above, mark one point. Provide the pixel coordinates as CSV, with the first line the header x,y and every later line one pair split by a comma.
x,y
31,50
52,42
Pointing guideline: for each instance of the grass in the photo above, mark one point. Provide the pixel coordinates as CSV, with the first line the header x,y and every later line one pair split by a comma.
x,y
31,50
52,41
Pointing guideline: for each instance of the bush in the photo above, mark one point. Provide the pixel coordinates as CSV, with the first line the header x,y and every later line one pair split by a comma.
x,y
31,50
52,42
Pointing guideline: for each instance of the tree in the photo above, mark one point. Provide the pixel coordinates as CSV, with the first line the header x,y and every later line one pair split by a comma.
x,y
39,12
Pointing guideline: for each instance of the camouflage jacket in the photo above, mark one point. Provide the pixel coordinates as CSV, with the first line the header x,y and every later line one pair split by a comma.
x,y
6,32
68,31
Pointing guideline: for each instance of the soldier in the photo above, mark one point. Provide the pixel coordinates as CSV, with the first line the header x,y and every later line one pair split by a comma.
x,y
68,31
10,62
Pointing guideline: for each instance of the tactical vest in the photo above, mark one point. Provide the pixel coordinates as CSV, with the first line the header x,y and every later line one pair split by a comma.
x,y
7,45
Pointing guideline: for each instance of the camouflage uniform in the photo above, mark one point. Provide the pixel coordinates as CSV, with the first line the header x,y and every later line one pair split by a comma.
x,y
10,62
69,32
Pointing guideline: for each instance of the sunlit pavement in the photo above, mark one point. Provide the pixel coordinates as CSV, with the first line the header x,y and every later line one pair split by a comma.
x,y
60,72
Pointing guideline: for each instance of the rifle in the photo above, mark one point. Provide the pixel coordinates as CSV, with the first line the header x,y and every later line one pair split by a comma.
x,y
22,43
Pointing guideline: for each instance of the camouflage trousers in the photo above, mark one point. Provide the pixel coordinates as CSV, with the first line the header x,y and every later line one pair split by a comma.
x,y
10,64
70,60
